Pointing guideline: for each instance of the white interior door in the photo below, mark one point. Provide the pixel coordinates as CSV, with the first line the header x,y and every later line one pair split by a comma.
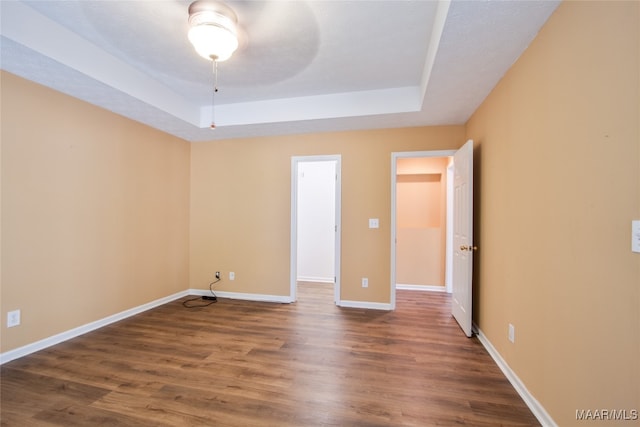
x,y
461,301
334,230
316,221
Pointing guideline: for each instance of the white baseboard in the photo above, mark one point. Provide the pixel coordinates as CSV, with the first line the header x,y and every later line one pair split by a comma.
x,y
365,304
315,279
538,410
285,299
80,330
427,288
75,332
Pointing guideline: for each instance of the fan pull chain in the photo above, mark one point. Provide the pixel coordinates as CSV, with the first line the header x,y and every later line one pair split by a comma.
x,y
213,96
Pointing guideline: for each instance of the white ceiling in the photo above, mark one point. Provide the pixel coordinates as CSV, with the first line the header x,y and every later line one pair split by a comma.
x,y
303,66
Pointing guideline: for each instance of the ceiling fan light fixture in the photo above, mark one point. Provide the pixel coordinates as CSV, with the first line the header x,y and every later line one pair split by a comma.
x,y
213,32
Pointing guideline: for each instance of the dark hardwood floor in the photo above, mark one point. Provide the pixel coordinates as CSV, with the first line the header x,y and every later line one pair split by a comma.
x,y
238,363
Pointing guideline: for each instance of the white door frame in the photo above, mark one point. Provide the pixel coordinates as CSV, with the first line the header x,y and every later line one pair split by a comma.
x,y
394,161
293,277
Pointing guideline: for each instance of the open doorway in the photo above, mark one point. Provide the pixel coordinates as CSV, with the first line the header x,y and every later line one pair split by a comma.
x,y
421,220
315,223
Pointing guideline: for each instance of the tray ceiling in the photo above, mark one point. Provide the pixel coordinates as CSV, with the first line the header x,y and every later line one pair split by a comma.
x,y
303,66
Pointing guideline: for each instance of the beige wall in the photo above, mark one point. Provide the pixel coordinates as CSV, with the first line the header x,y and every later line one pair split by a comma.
x,y
240,206
558,174
94,212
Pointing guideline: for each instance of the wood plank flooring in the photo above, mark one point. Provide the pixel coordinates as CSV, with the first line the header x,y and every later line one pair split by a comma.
x,y
239,363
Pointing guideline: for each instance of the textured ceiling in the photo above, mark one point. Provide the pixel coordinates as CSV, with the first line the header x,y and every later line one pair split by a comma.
x,y
303,66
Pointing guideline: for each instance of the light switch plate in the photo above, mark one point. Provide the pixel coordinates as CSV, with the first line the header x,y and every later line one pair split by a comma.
x,y
635,236
374,223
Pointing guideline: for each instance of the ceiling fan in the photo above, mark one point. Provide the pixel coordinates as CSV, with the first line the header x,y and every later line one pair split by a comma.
x,y
214,35
214,29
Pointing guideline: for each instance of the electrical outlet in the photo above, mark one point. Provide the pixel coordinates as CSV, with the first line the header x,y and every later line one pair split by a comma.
x,y
365,282
13,318
217,274
232,275
512,333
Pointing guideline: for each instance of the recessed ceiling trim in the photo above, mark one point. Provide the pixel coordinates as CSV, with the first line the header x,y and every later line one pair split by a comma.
x,y
64,46
340,105
434,43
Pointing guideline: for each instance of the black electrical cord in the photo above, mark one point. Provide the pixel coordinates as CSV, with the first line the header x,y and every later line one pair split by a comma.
x,y
212,299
